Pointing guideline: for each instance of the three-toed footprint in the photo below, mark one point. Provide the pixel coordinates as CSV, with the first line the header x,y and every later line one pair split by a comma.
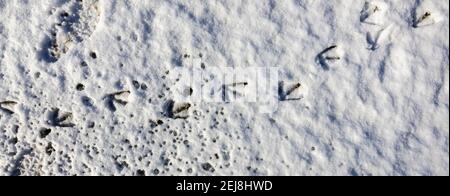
x,y
76,21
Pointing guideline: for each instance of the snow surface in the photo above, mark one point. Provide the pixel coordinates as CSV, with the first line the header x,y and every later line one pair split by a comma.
x,y
85,87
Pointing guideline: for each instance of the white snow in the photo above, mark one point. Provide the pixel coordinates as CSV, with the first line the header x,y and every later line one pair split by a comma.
x,y
92,87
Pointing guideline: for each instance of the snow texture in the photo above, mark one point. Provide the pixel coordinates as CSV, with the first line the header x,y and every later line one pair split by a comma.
x,y
85,87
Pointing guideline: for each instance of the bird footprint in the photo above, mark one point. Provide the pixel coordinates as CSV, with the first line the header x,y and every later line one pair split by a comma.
x,y
77,20
374,12
120,98
375,39
426,18
290,92
329,55
60,119
8,106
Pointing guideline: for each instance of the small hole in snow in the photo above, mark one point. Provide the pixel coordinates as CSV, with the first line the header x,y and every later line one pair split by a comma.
x,y
93,55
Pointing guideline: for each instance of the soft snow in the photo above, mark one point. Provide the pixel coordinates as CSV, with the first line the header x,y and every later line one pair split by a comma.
x,y
90,87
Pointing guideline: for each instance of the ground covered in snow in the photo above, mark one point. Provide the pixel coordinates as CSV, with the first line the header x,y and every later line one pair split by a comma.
x,y
91,87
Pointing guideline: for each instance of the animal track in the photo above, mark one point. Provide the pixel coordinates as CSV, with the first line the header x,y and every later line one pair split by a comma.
x,y
426,18
76,23
177,110
376,39
60,119
374,12
285,92
136,115
120,98
425,14
8,106
329,55
234,89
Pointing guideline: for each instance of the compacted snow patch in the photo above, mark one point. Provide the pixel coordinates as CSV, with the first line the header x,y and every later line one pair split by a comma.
x,y
98,87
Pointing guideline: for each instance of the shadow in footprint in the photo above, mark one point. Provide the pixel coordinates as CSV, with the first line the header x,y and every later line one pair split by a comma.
x,y
284,92
168,108
382,71
320,59
44,54
372,42
281,93
59,119
8,107
9,112
109,101
88,102
326,56
176,111
120,98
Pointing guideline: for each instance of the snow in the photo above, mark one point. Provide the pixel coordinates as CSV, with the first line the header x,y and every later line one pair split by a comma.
x,y
100,87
